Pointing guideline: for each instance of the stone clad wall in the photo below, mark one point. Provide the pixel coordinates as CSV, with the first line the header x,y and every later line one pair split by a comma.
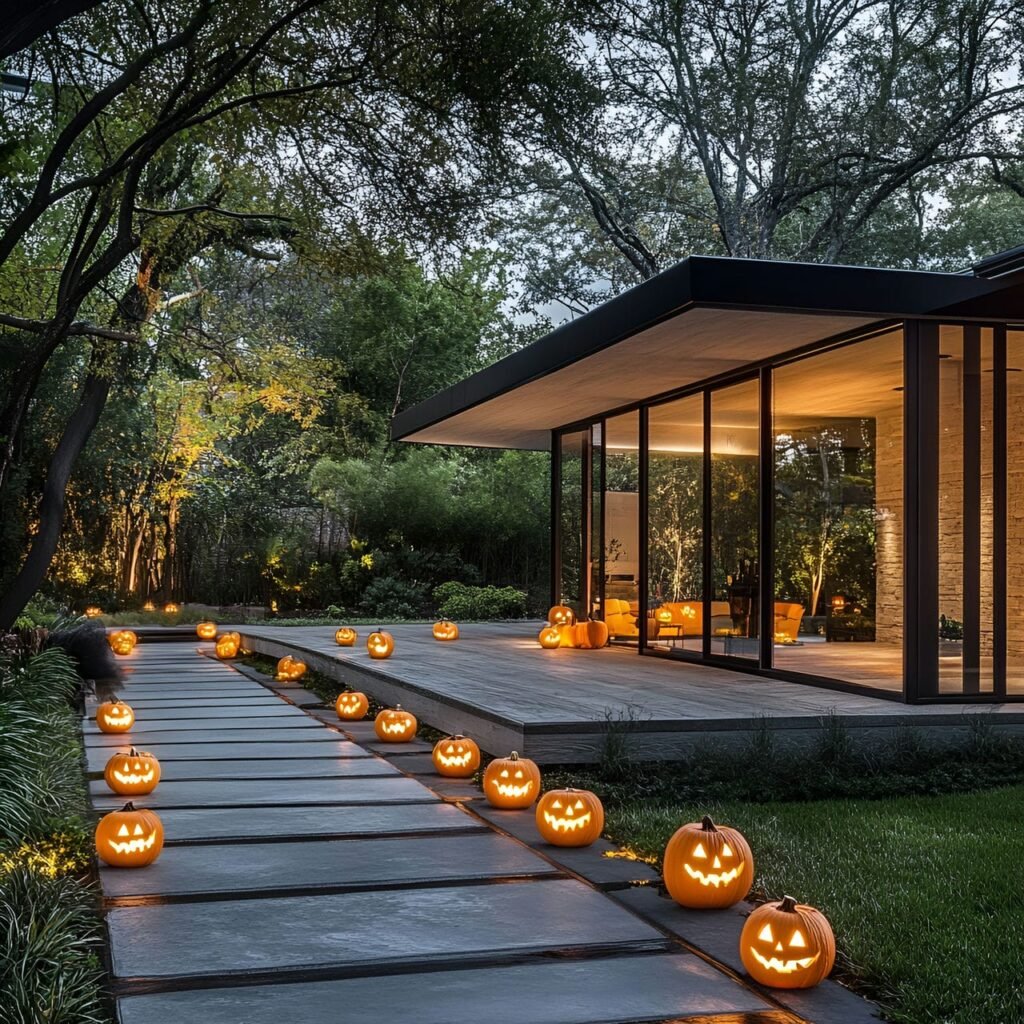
x,y
889,528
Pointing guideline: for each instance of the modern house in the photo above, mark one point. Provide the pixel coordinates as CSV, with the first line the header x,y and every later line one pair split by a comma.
x,y
814,473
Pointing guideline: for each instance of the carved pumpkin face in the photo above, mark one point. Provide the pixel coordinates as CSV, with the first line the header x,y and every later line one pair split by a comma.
x,y
708,865
171,608
133,774
129,838
380,644
445,630
227,646
395,725
346,637
561,615
549,638
149,607
456,757
122,641
512,781
93,611
351,706
115,716
289,669
787,945
206,630
570,817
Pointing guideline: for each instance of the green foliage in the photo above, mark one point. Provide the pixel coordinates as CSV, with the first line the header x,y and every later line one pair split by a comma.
x,y
390,598
463,603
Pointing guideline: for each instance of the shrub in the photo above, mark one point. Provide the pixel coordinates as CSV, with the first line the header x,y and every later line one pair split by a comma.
x,y
390,598
461,602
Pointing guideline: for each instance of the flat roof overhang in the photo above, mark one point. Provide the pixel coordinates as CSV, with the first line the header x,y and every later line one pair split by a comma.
x,y
701,318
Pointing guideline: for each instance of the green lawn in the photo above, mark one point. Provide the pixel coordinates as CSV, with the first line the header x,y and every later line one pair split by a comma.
x,y
922,891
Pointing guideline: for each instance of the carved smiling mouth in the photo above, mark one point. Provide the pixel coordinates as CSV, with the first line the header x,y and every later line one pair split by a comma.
x,y
117,720
134,780
511,789
567,824
396,729
713,878
136,845
783,966
455,760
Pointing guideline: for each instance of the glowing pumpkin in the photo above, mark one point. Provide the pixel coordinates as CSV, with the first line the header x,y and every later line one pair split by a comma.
x,y
787,945
93,611
122,641
549,638
561,615
395,725
206,630
133,774
380,644
289,669
346,637
570,817
149,607
456,757
171,608
512,781
708,865
227,646
446,630
590,634
115,716
129,838
351,705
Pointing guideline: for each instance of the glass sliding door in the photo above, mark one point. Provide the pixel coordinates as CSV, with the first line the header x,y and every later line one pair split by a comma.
x,y
573,449
620,539
595,520
1013,577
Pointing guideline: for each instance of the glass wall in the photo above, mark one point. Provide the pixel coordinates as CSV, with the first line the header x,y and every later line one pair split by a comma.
x,y
838,511
675,536
571,556
595,521
1015,512
621,536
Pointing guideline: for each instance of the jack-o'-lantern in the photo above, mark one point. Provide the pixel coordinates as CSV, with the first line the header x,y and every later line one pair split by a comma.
x,y
227,646
444,629
149,607
351,705
206,630
289,669
512,781
346,637
395,725
122,641
129,838
456,757
663,615
567,635
787,945
171,608
93,611
549,638
570,817
115,716
590,634
561,615
708,865
380,644
133,774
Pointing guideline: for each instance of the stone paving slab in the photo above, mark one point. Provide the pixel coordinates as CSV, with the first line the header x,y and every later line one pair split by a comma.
x,y
221,700
339,864
612,991
230,714
258,792
356,930
312,745
279,768
260,730
202,824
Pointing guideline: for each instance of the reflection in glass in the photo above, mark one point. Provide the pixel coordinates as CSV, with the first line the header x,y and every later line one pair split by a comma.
x,y
621,509
570,522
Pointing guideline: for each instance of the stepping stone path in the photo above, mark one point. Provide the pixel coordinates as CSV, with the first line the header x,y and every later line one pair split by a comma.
x,y
307,878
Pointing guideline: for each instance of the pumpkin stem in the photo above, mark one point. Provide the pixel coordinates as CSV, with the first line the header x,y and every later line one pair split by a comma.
x,y
514,756
128,807
707,825
133,752
788,905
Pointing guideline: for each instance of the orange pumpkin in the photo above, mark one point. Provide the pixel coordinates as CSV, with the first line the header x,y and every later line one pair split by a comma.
x,y
115,716
590,634
129,838
567,635
122,641
93,611
570,817
227,646
206,630
456,757
445,630
135,773
708,865
290,669
561,615
149,607
549,638
787,945
171,608
380,644
346,636
512,781
395,725
351,705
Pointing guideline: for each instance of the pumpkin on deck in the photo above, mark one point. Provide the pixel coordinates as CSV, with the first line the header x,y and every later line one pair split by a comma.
x,y
290,669
346,636
395,725
93,611
456,757
787,945
351,705
561,615
206,630
380,644
122,641
590,635
227,646
708,865
129,838
115,716
549,638
570,817
135,773
512,781
171,608
444,629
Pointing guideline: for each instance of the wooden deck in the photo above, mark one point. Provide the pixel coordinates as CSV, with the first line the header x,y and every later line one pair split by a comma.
x,y
496,684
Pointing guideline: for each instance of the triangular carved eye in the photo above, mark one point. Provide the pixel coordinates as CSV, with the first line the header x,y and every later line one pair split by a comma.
x,y
138,830
519,774
504,773
765,934
123,830
450,750
798,940
726,850
699,851
557,805
579,805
